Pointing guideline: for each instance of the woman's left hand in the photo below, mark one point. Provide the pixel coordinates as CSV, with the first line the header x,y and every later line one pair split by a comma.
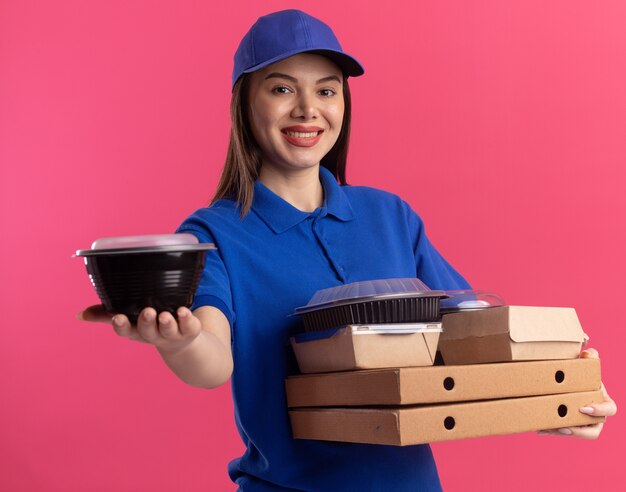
x,y
607,408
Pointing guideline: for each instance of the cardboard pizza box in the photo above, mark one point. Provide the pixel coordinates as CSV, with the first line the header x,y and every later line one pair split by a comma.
x,y
436,384
403,426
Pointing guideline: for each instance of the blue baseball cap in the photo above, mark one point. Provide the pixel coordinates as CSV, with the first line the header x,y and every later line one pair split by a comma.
x,y
279,35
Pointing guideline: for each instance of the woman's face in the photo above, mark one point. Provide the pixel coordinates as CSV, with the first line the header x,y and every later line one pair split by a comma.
x,y
296,110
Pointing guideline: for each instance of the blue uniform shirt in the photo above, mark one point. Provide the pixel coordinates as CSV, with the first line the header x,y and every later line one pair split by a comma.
x,y
273,261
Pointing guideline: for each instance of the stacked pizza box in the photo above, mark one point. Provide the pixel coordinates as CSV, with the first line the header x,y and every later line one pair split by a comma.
x,y
503,369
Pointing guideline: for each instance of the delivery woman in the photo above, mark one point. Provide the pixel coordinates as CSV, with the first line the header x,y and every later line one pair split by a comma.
x,y
285,226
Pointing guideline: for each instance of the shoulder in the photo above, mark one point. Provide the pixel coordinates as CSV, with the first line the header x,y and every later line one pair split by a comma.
x,y
366,197
368,192
205,221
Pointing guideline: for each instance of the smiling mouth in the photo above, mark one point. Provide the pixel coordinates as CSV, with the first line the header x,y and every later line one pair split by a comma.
x,y
302,134
295,136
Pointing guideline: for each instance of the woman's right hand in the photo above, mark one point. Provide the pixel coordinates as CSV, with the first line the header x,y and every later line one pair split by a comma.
x,y
158,329
197,347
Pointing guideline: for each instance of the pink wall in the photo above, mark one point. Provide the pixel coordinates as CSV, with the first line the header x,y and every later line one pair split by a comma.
x,y
502,122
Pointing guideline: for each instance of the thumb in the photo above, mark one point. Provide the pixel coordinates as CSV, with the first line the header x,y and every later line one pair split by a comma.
x,y
589,353
95,313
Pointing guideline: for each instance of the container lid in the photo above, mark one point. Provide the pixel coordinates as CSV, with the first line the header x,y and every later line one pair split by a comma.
x,y
396,328
383,329
151,243
369,290
469,300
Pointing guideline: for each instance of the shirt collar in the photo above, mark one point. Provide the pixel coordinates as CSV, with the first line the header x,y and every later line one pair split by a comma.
x,y
280,215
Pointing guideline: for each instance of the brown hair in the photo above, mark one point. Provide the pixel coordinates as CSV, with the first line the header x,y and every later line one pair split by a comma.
x,y
243,160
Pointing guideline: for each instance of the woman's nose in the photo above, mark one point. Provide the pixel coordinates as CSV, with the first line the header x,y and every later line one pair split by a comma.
x,y
305,107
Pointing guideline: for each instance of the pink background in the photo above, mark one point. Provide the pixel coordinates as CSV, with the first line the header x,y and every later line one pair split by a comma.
x,y
502,122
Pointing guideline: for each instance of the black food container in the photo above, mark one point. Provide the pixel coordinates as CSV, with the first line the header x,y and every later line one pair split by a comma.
x,y
397,300
133,272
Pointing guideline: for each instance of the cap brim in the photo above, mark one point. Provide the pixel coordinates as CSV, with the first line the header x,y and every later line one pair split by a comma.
x,y
349,65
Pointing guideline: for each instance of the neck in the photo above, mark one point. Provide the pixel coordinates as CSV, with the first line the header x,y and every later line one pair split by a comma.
x,y
301,188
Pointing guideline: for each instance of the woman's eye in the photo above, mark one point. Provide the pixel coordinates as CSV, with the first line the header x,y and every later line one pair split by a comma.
x,y
327,92
281,89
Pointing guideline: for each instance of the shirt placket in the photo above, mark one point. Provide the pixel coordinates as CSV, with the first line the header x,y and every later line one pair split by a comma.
x,y
326,245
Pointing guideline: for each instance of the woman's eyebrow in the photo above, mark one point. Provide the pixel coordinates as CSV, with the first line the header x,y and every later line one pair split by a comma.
x,y
328,79
295,81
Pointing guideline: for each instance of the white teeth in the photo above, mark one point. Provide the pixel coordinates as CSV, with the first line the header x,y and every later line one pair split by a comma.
x,y
302,135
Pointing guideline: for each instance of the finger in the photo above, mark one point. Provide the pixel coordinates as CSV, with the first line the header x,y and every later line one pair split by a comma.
x,y
188,324
147,325
604,409
587,431
124,328
561,432
121,325
589,353
96,314
168,328
555,432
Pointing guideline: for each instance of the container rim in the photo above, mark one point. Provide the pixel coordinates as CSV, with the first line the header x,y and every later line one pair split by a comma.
x,y
376,297
146,249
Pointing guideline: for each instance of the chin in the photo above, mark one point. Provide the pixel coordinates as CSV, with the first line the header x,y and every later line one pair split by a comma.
x,y
304,163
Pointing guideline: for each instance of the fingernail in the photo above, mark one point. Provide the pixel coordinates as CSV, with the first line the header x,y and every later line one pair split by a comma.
x,y
565,431
116,321
164,320
587,410
148,316
79,315
182,313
